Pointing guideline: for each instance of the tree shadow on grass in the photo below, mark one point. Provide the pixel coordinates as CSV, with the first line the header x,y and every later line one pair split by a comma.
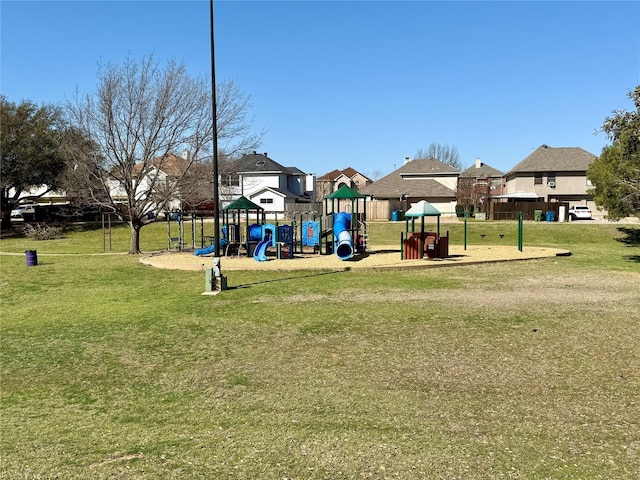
x,y
285,279
631,238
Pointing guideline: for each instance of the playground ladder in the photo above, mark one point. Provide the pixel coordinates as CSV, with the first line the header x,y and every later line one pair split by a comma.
x,y
365,241
364,236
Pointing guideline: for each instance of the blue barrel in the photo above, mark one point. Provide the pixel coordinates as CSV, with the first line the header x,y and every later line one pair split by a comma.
x,y
32,258
551,216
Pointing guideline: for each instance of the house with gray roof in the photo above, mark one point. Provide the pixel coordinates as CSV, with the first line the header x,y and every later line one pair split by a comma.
x,y
550,174
424,179
273,186
481,170
477,184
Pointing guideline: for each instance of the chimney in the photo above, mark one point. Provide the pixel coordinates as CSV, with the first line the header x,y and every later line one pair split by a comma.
x,y
478,163
407,160
186,155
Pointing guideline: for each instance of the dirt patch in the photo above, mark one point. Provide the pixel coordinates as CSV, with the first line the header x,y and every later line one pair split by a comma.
x,y
377,257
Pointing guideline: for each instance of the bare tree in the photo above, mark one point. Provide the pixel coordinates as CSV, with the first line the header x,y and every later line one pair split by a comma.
x,y
473,193
323,189
140,115
196,188
444,153
236,135
376,174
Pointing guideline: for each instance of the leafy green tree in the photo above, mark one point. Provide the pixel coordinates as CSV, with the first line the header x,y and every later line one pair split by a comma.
x,y
615,175
30,140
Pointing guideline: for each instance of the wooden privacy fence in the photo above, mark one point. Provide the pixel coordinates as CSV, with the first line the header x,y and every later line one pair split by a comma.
x,y
509,211
379,209
376,209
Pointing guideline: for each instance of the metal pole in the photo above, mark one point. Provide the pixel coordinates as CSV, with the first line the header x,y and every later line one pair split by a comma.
x,y
216,187
520,231
465,229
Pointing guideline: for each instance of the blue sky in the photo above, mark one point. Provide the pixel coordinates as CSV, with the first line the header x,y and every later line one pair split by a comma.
x,y
358,84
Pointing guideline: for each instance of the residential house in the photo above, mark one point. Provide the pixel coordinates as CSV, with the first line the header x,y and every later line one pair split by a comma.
x,y
424,179
477,184
274,187
332,181
195,190
550,174
155,176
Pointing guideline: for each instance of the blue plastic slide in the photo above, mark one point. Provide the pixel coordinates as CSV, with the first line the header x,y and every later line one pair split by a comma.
x,y
343,241
260,253
205,250
212,248
209,249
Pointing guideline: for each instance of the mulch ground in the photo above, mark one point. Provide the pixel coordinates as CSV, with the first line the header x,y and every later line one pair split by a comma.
x,y
377,257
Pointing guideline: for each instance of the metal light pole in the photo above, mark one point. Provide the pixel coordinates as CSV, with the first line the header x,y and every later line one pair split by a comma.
x,y
216,187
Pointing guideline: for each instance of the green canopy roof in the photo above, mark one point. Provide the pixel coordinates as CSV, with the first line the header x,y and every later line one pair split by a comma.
x,y
422,209
243,203
346,192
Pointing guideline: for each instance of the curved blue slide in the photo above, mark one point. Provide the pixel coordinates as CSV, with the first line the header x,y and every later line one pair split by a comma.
x,y
343,241
210,248
260,253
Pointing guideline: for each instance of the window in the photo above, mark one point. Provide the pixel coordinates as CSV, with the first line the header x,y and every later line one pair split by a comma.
x,y
537,179
551,179
266,200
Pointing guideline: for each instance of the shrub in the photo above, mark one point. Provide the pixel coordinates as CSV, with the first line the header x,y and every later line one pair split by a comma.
x,y
460,211
43,232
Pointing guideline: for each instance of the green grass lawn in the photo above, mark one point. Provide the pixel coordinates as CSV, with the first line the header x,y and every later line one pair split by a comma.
x,y
110,369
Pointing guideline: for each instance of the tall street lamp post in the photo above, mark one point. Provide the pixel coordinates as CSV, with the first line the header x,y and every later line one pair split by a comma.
x,y
216,183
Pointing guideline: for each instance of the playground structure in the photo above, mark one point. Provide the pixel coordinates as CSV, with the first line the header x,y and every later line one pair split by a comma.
x,y
349,228
425,244
256,236
341,231
245,232
418,245
331,234
176,235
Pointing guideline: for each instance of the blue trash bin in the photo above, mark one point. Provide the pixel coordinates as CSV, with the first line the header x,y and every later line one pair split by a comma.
x,y
551,216
32,258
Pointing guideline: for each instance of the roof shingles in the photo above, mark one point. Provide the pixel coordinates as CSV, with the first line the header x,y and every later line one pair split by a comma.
x,y
412,179
550,159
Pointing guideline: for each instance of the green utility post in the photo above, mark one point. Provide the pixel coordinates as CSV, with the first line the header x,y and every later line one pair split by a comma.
x,y
301,235
520,231
465,229
209,281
